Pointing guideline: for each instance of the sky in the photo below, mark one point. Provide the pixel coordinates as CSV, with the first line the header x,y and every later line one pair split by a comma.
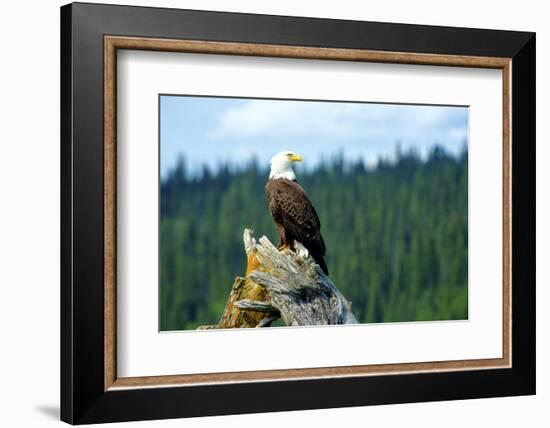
x,y
214,130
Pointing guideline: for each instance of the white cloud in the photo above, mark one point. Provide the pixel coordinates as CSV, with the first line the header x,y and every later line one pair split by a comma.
x,y
238,130
261,118
329,121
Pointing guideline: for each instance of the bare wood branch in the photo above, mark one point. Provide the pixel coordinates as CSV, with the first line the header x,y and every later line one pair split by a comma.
x,y
251,305
287,284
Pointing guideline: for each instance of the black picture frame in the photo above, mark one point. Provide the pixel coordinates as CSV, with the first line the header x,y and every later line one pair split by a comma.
x,y
83,398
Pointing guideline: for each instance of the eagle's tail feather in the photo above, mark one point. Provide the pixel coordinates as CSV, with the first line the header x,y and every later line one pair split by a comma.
x,y
321,262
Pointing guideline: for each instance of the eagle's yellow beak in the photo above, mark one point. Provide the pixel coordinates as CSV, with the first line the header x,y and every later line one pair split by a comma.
x,y
295,157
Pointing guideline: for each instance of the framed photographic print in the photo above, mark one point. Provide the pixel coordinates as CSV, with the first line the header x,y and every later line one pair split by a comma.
x,y
265,213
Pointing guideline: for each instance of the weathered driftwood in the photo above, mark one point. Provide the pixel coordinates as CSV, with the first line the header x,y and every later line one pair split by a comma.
x,y
282,284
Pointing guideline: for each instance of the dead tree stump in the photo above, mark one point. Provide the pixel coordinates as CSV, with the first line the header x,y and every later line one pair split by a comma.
x,y
282,284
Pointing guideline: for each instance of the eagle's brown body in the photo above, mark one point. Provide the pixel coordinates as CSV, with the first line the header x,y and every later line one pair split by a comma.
x,y
296,218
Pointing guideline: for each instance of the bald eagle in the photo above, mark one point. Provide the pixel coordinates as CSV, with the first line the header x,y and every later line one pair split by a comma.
x,y
292,211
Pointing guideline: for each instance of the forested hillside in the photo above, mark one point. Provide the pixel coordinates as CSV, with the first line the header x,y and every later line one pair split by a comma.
x,y
396,236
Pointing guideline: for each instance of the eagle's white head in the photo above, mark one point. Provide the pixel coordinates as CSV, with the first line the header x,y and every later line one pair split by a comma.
x,y
281,165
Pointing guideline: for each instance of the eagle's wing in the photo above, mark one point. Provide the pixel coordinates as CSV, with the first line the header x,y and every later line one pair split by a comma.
x,y
291,207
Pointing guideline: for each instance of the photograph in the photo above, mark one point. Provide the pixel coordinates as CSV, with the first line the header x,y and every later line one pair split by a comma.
x,y
293,212
264,212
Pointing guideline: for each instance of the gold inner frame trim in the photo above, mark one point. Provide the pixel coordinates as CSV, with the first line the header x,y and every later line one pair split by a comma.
x,y
113,43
